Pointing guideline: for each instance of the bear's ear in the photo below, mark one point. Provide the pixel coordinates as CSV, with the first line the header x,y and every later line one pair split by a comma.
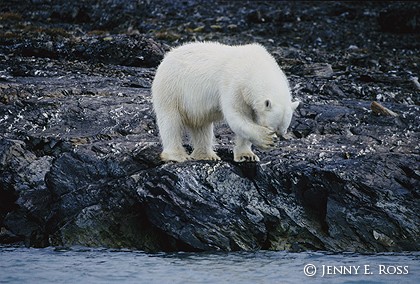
x,y
295,105
267,104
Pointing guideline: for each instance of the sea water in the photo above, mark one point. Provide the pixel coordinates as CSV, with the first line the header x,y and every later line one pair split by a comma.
x,y
88,265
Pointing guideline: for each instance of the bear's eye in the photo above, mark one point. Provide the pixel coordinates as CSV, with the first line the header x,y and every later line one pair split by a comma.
x,y
267,104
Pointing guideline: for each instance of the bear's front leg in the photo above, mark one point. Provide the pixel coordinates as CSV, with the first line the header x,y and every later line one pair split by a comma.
x,y
265,138
258,135
242,151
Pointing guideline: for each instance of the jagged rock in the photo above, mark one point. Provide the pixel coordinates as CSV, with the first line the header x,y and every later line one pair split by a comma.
x,y
107,211
23,191
322,191
209,206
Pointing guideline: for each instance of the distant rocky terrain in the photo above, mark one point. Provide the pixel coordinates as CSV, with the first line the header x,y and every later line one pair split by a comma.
x,y
79,145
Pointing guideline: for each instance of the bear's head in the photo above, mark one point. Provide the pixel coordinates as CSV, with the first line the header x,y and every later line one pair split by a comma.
x,y
276,116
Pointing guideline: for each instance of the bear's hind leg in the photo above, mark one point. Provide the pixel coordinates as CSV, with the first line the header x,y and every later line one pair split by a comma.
x,y
171,131
242,151
202,140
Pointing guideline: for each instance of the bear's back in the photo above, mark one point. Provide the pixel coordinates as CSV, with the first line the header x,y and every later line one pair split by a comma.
x,y
203,70
200,54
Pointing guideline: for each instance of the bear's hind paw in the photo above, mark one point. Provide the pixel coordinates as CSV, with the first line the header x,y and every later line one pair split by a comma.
x,y
174,157
205,156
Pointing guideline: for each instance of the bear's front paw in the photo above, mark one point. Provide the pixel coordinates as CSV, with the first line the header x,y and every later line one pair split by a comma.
x,y
245,157
267,139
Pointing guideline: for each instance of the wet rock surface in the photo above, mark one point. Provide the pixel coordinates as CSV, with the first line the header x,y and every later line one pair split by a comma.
x,y
79,144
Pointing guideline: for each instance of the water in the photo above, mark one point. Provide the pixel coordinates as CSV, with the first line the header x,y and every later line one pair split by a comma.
x,y
86,265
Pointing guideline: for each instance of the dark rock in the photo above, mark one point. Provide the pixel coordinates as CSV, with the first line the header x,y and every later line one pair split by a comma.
x,y
107,211
71,15
305,195
24,192
125,50
400,20
214,209
258,17
323,70
332,90
122,50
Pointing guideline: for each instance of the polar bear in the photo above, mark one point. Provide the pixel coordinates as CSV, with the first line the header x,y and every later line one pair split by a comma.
x,y
199,83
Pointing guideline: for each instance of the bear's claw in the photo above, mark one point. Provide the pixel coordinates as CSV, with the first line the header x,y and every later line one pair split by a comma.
x,y
246,157
267,140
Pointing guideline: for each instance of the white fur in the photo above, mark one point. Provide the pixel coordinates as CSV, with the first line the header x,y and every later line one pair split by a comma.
x,y
200,83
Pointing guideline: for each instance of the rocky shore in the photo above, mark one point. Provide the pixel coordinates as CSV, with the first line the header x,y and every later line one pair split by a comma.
x,y
79,144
